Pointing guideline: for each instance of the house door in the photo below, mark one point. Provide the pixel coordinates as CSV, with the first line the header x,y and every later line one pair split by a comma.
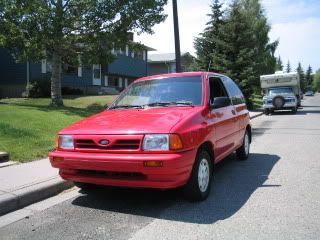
x,y
96,71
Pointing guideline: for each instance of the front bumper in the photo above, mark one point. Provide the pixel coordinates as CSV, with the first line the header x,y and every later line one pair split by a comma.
x,y
125,170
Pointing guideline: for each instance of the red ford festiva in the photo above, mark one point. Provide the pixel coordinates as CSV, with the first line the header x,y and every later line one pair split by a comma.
x,y
163,131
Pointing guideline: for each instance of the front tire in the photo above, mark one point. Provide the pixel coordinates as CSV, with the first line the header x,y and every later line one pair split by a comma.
x,y
244,151
84,186
199,183
294,110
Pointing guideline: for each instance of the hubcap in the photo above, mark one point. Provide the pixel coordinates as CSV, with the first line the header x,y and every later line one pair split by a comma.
x,y
246,144
203,175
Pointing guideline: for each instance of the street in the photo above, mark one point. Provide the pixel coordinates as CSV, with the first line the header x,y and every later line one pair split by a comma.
x,y
275,194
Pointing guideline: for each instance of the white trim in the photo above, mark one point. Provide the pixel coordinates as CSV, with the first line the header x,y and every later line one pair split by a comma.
x,y
120,82
127,50
80,71
144,52
44,66
96,81
126,82
106,81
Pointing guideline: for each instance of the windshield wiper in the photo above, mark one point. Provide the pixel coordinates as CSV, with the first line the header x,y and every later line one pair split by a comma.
x,y
165,104
125,106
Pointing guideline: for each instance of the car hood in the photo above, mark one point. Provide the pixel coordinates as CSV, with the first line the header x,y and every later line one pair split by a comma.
x,y
130,121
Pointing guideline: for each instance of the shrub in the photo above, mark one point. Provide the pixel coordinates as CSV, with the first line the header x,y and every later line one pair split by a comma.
x,y
71,91
39,88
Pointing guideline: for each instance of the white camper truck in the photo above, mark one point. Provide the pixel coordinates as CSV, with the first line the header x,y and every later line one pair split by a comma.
x,y
281,91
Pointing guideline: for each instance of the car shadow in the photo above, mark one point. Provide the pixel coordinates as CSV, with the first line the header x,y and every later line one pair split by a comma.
x,y
234,183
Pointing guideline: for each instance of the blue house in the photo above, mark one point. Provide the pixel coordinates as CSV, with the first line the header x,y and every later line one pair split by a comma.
x,y
91,79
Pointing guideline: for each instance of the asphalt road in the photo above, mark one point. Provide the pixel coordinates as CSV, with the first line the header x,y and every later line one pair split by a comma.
x,y
275,194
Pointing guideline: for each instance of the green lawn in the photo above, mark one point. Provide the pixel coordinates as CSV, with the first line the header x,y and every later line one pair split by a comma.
x,y
28,126
256,100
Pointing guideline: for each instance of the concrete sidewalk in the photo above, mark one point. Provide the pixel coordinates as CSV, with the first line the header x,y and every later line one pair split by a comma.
x,y
27,183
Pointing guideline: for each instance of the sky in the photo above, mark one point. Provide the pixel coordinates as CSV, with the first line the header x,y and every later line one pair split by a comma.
x,y
295,23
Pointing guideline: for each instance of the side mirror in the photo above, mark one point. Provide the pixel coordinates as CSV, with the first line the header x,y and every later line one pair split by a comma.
x,y
107,105
219,102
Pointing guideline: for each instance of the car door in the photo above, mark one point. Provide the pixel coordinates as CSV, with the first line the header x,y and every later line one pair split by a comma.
x,y
222,119
240,108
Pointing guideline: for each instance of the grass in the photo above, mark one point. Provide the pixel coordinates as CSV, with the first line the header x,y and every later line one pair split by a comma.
x,y
28,126
256,100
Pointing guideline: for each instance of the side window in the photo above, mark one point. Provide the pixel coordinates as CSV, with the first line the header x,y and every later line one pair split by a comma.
x,y
234,91
216,88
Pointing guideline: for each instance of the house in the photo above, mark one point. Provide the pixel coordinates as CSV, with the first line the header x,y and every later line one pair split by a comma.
x,y
166,63
91,79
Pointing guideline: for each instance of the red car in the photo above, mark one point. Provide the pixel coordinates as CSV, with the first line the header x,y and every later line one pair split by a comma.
x,y
163,131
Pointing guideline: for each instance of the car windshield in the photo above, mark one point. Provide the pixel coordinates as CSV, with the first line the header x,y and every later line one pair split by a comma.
x,y
169,91
280,90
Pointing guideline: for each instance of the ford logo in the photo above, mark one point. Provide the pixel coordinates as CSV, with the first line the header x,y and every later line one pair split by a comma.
x,y
104,142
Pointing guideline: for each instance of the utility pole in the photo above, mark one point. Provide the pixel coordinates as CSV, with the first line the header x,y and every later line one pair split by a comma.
x,y
176,36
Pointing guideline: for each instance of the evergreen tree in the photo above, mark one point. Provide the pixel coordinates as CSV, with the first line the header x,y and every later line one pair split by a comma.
x,y
316,81
243,50
205,44
279,66
301,76
309,76
288,67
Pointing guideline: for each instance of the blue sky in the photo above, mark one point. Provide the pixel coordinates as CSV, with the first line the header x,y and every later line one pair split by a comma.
x,y
296,23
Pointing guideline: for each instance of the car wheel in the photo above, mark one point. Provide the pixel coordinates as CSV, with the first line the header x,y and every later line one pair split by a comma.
x,y
244,151
199,183
266,111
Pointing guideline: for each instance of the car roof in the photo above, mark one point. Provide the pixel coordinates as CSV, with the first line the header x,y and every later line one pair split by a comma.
x,y
180,74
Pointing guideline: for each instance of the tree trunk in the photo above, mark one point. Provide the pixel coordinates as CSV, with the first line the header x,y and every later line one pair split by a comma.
x,y
56,97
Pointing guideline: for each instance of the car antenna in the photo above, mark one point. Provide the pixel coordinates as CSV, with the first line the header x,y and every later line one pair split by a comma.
x,y
209,65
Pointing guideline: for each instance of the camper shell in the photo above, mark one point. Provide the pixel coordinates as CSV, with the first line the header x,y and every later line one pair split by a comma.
x,y
281,100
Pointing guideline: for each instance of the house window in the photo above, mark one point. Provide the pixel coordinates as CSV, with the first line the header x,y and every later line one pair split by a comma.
x,y
139,54
69,69
113,81
96,71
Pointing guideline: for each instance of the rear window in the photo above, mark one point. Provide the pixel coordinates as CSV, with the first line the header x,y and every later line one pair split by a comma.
x,y
171,89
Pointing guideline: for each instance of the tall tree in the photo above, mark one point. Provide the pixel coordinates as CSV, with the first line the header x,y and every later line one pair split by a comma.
x,y
243,50
302,77
309,76
68,30
316,81
279,66
205,44
288,67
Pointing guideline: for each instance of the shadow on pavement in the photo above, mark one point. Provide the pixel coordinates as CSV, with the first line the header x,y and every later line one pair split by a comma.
x,y
234,183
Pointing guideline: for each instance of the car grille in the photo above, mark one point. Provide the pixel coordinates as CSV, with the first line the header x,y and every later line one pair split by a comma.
x,y
121,144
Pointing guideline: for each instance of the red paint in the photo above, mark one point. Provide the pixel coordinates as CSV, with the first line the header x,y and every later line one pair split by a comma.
x,y
123,163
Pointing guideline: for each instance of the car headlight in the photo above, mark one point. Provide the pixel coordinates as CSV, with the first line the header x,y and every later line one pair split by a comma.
x,y
65,142
156,142
162,142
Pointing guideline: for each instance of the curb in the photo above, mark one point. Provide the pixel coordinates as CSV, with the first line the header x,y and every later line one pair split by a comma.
x,y
23,197
257,115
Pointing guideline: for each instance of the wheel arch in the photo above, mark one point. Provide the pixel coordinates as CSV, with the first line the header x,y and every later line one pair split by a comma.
x,y
207,146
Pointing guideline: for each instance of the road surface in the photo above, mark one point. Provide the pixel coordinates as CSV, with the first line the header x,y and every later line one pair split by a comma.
x,y
275,194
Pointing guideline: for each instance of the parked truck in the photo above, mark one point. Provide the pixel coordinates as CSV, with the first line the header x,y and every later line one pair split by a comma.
x,y
281,92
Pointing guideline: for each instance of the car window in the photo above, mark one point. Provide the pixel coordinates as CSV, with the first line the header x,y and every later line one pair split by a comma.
x,y
163,90
216,88
234,91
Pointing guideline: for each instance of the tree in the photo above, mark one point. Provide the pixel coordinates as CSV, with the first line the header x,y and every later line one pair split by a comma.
x,y
279,66
309,76
205,44
243,50
70,31
301,76
316,81
288,67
